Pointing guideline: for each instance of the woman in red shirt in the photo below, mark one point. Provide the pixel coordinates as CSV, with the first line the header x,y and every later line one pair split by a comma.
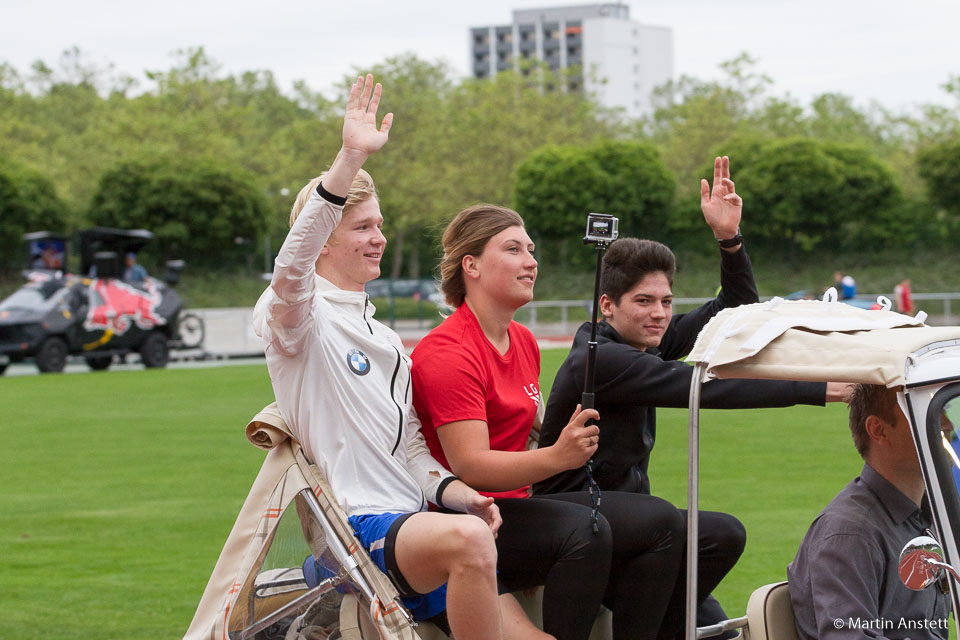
x,y
476,391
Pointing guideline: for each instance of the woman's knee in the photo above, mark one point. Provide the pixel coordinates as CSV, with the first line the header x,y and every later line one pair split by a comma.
x,y
598,539
724,533
666,518
651,525
581,539
674,521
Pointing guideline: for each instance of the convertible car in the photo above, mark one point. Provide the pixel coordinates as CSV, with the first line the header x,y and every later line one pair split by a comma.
x,y
292,569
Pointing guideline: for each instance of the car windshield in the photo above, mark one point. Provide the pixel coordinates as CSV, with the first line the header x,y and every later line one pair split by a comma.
x,y
30,297
949,425
943,422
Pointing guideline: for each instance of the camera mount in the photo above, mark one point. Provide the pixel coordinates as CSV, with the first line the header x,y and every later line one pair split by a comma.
x,y
602,229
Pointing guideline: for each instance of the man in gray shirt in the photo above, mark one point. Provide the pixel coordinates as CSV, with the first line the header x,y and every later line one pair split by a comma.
x,y
844,582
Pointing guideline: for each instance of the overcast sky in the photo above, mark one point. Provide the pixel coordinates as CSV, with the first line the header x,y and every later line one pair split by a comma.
x,y
896,53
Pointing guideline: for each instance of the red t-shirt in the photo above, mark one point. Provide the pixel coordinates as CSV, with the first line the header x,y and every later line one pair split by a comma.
x,y
459,375
905,300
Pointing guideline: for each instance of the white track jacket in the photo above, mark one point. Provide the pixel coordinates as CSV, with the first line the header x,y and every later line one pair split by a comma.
x,y
342,379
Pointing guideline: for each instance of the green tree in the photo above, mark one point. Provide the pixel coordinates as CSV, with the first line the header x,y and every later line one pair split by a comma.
x,y
455,142
28,202
638,189
694,116
939,166
453,145
556,186
836,119
494,124
802,195
410,172
197,209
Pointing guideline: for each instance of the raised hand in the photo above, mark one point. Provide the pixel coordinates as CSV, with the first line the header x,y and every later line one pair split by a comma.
x,y
722,207
361,137
360,132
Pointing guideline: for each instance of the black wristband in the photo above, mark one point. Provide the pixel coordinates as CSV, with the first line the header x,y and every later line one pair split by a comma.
x,y
442,487
729,243
329,197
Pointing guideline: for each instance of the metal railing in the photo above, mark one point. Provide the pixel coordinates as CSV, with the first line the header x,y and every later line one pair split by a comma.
x,y
946,318
229,333
562,317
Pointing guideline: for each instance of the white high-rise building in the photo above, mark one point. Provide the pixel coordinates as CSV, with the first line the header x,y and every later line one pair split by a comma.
x,y
621,60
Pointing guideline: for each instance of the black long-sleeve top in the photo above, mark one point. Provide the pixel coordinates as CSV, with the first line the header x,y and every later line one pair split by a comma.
x,y
631,384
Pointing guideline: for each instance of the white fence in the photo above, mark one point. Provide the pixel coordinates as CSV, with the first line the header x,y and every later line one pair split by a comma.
x,y
227,333
939,314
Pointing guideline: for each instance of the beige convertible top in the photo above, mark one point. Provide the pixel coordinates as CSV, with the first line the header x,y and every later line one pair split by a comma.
x,y
813,340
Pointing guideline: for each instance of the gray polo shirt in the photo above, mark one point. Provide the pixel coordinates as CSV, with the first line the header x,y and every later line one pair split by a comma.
x,y
844,582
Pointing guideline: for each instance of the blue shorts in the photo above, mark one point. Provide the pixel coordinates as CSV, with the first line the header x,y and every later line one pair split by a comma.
x,y
378,533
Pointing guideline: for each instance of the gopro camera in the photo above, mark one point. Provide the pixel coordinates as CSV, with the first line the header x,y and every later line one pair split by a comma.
x,y
601,228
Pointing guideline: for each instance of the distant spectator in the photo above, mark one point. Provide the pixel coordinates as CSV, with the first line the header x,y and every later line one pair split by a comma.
x,y
903,298
52,259
846,285
134,273
49,258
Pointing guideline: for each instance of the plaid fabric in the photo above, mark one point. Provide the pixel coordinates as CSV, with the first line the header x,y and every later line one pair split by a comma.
x,y
224,606
392,621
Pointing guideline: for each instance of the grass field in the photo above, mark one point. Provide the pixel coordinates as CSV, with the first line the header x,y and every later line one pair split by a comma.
x,y
120,488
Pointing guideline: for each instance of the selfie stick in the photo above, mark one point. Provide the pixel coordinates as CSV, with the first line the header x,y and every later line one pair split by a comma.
x,y
588,398
601,230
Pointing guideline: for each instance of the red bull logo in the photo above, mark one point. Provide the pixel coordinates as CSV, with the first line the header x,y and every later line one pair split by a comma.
x,y
116,305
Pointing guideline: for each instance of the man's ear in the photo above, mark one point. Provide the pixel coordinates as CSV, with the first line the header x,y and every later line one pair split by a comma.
x,y
877,429
332,240
470,266
606,305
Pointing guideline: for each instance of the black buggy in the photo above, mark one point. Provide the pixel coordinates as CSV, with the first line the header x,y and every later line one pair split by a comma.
x,y
96,313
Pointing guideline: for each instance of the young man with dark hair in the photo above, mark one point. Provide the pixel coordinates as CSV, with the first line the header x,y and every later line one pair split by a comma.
x,y
640,343
844,581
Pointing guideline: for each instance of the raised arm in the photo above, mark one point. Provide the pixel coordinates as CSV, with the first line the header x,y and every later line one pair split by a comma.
x,y
722,209
293,275
721,206
361,137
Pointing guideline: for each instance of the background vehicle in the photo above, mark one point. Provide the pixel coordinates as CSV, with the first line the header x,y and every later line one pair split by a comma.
x,y
418,288
98,314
